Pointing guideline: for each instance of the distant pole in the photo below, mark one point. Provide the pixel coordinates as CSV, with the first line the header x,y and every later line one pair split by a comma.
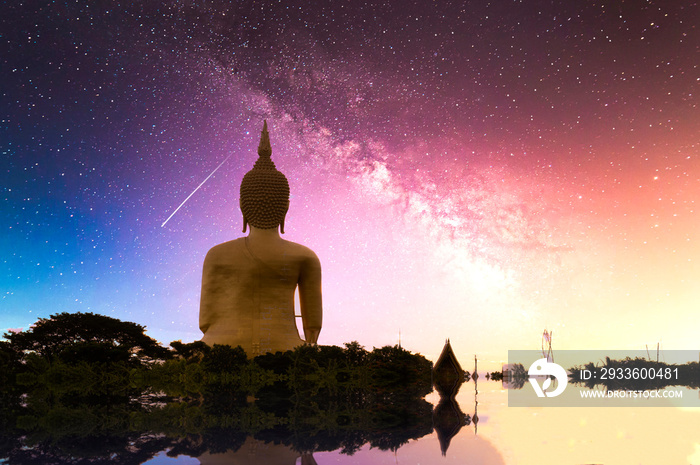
x,y
475,418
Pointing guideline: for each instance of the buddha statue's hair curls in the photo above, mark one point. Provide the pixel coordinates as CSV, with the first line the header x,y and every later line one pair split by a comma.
x,y
264,196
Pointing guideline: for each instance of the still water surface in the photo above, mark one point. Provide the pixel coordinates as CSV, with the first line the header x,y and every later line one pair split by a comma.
x,y
515,435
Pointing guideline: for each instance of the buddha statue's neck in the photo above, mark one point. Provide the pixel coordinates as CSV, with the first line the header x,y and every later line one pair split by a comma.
x,y
264,235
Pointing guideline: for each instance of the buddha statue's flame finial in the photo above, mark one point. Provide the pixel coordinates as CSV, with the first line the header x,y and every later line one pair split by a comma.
x,y
264,148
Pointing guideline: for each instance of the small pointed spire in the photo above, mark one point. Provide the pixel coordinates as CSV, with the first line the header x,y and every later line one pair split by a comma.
x,y
264,148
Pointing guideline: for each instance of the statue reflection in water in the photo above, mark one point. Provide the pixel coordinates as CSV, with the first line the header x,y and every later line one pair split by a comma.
x,y
248,284
255,452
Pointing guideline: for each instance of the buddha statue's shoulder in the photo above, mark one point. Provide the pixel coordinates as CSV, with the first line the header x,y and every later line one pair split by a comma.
x,y
226,250
300,250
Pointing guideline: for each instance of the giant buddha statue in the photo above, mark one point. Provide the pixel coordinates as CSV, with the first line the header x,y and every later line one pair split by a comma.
x,y
248,284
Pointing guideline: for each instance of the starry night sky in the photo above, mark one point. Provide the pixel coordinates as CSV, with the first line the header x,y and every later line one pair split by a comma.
x,y
472,170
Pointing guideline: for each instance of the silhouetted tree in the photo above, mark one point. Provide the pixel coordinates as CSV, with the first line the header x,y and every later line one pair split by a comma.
x,y
10,398
74,337
224,359
355,353
393,366
194,351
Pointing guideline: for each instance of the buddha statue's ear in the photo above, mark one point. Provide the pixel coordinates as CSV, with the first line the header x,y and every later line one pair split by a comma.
x,y
283,218
282,223
245,221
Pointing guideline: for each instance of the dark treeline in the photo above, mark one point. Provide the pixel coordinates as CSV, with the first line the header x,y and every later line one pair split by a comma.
x,y
85,388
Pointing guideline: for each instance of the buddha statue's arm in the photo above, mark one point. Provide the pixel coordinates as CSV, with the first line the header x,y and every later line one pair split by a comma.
x,y
310,298
205,301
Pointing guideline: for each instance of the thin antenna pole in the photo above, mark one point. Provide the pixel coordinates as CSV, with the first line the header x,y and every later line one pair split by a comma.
x,y
475,418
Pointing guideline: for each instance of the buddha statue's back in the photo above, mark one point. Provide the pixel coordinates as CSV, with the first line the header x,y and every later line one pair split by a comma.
x,y
248,284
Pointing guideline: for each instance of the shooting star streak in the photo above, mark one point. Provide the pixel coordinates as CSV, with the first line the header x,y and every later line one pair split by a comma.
x,y
200,185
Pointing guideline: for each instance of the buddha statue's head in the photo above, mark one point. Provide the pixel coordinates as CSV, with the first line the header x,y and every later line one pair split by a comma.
x,y
264,197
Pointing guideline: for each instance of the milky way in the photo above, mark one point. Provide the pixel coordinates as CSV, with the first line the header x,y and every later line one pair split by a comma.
x,y
472,170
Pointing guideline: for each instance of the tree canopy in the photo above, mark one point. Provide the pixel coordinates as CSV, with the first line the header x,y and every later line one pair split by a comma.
x,y
76,335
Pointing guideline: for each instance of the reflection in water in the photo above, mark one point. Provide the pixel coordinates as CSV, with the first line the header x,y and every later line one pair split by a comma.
x,y
256,452
622,436
448,420
221,428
